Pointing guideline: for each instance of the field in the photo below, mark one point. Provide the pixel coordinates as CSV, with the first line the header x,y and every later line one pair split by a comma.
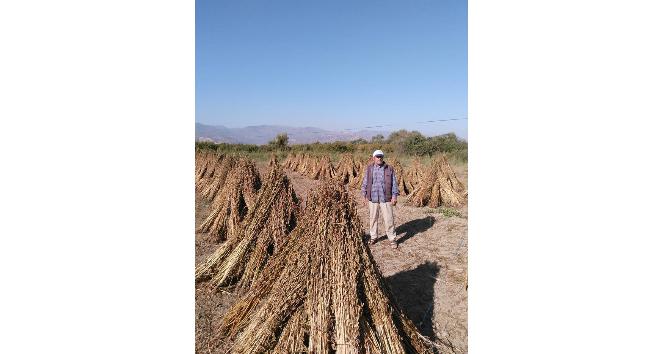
x,y
427,274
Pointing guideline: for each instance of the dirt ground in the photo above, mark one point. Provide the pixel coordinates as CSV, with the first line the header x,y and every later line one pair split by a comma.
x,y
427,273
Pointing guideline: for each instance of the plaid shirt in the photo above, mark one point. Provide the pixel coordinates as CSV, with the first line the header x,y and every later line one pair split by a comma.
x,y
378,184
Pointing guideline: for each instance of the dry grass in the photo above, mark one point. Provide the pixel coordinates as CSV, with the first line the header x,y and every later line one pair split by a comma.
x,y
206,164
439,187
242,258
233,201
273,160
211,186
346,169
415,173
202,158
313,167
293,161
362,170
306,164
322,168
406,185
322,291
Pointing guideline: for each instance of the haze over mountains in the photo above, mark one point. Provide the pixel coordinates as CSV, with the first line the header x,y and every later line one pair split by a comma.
x,y
262,134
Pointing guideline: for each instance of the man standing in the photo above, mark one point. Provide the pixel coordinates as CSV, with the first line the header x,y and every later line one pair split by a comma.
x,y
380,190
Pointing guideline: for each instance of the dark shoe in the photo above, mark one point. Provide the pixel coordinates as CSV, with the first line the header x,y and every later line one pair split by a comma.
x,y
373,241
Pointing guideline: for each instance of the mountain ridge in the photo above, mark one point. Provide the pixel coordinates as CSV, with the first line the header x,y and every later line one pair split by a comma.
x,y
262,134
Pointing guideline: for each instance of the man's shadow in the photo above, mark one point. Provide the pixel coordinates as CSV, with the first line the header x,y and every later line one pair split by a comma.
x,y
413,291
414,227
409,229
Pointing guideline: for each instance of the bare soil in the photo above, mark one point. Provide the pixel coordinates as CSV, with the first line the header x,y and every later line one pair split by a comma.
x,y
427,273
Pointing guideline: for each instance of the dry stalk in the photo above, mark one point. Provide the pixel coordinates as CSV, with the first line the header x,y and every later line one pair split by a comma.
x,y
322,169
288,162
406,186
242,257
210,190
273,161
206,163
306,165
233,201
362,170
346,170
414,173
325,286
439,186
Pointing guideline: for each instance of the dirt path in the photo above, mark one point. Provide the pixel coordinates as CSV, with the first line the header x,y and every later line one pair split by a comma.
x,y
427,273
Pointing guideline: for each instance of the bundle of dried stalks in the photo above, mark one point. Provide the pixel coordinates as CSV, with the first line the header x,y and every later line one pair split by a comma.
x,y
273,161
202,158
346,170
287,161
213,185
322,169
439,186
233,201
405,185
200,161
291,161
415,172
357,181
322,292
242,257
360,166
362,170
206,163
299,160
306,164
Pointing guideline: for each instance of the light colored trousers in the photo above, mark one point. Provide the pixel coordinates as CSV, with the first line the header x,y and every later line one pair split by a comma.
x,y
388,217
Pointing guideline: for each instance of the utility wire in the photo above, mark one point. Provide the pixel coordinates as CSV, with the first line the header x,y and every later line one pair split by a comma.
x,y
423,122
390,125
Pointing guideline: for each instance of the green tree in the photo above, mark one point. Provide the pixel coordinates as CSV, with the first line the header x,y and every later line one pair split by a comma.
x,y
398,136
417,144
377,138
448,143
280,142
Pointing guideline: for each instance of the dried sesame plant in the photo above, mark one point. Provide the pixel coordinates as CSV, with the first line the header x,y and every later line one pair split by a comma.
x,y
202,158
362,171
233,201
439,186
415,172
288,161
273,161
297,162
306,165
207,163
405,185
264,230
322,168
213,186
322,292
346,170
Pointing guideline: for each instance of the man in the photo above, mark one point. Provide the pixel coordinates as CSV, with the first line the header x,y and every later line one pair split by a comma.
x,y
380,190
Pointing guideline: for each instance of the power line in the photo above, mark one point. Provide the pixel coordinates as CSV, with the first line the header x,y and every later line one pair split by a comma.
x,y
436,121
442,120
424,122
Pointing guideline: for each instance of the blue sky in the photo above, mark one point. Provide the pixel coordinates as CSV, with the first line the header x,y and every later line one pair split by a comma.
x,y
333,64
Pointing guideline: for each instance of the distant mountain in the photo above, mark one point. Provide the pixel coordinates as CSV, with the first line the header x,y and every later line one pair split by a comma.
x,y
217,134
262,134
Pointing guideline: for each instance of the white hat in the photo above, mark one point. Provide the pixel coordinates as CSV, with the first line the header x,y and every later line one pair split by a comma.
x,y
378,152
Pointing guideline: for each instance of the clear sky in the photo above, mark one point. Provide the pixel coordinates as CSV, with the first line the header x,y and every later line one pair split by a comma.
x,y
333,64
